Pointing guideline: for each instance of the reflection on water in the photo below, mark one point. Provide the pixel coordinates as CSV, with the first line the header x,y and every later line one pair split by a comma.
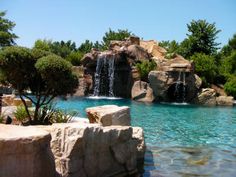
x,y
182,140
188,162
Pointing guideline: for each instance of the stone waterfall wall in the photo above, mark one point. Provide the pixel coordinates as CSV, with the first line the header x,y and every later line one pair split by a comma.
x,y
79,150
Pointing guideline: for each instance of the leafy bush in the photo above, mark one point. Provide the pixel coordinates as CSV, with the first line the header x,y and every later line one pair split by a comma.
x,y
144,68
46,77
49,114
21,114
230,87
75,58
205,67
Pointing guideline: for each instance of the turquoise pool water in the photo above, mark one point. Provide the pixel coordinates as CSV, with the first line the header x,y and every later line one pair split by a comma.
x,y
182,140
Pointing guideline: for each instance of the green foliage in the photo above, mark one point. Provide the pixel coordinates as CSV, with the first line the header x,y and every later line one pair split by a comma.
x,y
75,58
62,48
57,75
16,65
229,48
21,114
228,66
114,35
205,67
44,45
170,46
86,46
45,77
201,39
49,114
230,86
144,68
7,38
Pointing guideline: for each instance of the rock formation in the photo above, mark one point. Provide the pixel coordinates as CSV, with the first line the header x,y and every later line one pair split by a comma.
x,y
225,101
76,149
142,92
109,115
25,151
206,96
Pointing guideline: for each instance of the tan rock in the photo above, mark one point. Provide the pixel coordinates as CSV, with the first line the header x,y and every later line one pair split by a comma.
x,y
207,96
137,52
225,100
142,92
90,150
7,100
153,48
18,102
25,151
198,81
109,115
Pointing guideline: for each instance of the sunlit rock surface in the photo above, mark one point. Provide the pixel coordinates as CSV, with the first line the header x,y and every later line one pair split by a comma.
x,y
109,115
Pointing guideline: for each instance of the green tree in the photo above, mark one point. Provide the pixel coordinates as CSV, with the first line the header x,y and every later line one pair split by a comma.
x,y
46,77
172,48
229,48
86,46
205,67
75,58
144,67
43,44
201,39
230,86
7,37
114,35
63,48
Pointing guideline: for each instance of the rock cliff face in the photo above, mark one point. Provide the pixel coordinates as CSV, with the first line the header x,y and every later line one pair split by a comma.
x,y
25,151
75,150
125,54
92,150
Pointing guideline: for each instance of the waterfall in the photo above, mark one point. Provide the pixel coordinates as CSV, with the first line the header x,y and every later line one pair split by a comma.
x,y
184,87
104,76
111,70
180,87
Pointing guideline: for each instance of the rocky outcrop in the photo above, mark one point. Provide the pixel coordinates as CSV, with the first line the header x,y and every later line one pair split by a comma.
x,y
76,149
142,92
25,151
109,115
207,96
152,47
11,100
165,88
92,150
225,100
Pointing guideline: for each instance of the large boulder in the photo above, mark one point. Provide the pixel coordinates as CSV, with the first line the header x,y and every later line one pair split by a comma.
x,y
90,150
142,92
25,151
153,49
225,100
109,115
207,96
164,85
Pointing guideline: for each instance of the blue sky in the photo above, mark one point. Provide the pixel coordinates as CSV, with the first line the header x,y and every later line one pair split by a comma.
x,y
90,19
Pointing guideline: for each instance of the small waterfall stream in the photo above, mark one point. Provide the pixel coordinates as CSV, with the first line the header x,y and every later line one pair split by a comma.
x,y
180,87
104,76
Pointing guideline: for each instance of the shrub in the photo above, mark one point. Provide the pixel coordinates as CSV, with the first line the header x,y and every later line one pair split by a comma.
x,y
230,87
46,76
75,58
205,67
21,114
144,68
49,114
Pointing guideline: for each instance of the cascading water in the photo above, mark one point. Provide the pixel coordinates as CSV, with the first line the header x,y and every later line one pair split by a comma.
x,y
180,88
104,76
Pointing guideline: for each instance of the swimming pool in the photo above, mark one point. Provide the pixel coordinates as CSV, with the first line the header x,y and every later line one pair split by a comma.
x,y
182,140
